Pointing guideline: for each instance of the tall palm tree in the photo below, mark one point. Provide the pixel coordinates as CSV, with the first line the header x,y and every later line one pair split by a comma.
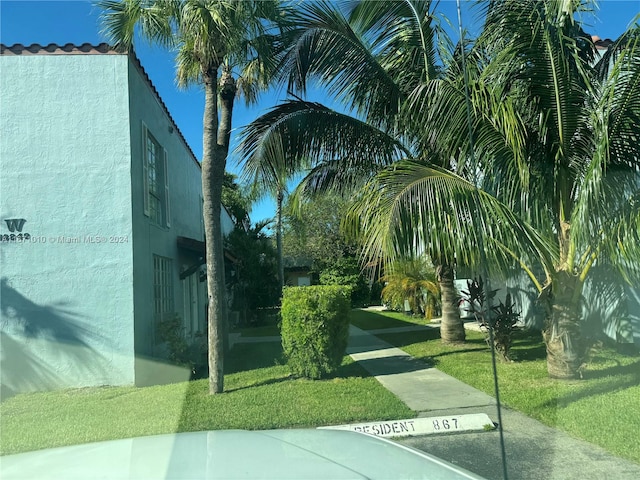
x,y
268,169
548,179
212,39
370,56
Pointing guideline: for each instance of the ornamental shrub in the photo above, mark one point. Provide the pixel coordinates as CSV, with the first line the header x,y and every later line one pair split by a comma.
x,y
315,328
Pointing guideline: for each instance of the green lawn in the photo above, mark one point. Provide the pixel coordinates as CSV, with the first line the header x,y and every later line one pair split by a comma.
x,y
603,408
365,319
259,395
373,320
261,331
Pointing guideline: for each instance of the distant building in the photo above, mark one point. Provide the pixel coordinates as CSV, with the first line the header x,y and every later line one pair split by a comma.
x,y
101,220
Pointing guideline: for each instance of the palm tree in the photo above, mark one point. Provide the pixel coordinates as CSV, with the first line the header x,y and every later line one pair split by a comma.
x,y
370,57
414,280
211,38
548,179
268,171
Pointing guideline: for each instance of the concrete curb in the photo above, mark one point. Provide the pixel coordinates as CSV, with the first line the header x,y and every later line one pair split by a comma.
x,y
475,422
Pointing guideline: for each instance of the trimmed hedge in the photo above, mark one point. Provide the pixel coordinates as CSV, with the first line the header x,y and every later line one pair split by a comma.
x,y
315,328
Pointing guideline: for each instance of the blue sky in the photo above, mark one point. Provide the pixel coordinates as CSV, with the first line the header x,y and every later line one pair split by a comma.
x,y
44,22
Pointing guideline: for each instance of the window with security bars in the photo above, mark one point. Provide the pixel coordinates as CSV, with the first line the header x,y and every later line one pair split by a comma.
x,y
162,287
156,180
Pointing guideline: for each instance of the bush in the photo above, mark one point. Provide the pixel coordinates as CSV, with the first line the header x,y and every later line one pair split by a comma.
x,y
181,352
346,271
501,319
315,328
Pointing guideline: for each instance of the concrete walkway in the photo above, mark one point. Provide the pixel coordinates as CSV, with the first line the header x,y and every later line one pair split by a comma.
x,y
534,451
419,385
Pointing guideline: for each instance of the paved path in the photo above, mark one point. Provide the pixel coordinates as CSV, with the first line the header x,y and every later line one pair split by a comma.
x,y
419,385
534,451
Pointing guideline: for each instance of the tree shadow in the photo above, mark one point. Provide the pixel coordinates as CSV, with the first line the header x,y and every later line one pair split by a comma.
x,y
528,346
394,364
250,356
409,338
611,379
270,381
44,346
455,352
371,319
619,369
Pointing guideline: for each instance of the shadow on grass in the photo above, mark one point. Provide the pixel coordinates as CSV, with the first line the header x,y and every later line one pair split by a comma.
x,y
270,381
249,356
409,338
395,364
629,369
600,382
372,320
349,370
528,346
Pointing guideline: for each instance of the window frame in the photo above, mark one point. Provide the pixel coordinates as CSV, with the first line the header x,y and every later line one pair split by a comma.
x,y
156,194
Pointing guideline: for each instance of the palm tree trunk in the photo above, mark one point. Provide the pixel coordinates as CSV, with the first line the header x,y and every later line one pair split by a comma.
x,y
212,194
227,92
451,326
279,200
214,159
565,348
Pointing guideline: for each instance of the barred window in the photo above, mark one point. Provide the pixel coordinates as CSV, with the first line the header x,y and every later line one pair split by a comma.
x,y
156,180
162,287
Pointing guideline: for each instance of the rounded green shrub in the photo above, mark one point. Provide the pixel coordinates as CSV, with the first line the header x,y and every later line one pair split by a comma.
x,y
315,328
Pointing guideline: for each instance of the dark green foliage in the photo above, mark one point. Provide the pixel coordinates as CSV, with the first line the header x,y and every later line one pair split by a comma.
x,y
235,200
169,330
413,280
346,271
315,328
255,280
501,319
312,231
181,352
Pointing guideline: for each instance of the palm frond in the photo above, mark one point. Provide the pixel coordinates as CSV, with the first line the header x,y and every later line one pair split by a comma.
x,y
154,19
326,48
403,34
305,130
414,209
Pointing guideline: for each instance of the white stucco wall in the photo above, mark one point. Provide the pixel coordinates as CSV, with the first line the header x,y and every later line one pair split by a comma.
x,y
67,301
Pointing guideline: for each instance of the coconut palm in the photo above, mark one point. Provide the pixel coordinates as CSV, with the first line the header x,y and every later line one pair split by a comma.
x,y
370,56
549,174
212,39
413,280
268,170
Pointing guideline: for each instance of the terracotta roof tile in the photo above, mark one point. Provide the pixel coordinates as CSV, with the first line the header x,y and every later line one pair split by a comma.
x,y
55,49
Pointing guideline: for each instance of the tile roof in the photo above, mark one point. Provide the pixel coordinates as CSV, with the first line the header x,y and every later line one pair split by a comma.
x,y
55,49
88,49
601,44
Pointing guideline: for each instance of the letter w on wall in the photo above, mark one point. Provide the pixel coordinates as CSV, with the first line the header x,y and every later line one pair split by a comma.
x,y
14,224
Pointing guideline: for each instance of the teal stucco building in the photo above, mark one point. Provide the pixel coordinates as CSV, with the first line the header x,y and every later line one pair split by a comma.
x,y
100,221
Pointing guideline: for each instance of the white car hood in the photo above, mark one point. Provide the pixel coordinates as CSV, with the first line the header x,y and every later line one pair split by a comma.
x,y
234,454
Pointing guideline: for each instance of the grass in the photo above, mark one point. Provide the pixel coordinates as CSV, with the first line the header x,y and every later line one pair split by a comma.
x,y
259,395
603,408
364,319
374,320
261,331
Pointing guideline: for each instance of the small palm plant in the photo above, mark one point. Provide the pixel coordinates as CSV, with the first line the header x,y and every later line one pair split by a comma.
x,y
413,280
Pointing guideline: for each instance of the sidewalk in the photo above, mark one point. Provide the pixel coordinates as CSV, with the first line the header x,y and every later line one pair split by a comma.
x,y
534,451
423,388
